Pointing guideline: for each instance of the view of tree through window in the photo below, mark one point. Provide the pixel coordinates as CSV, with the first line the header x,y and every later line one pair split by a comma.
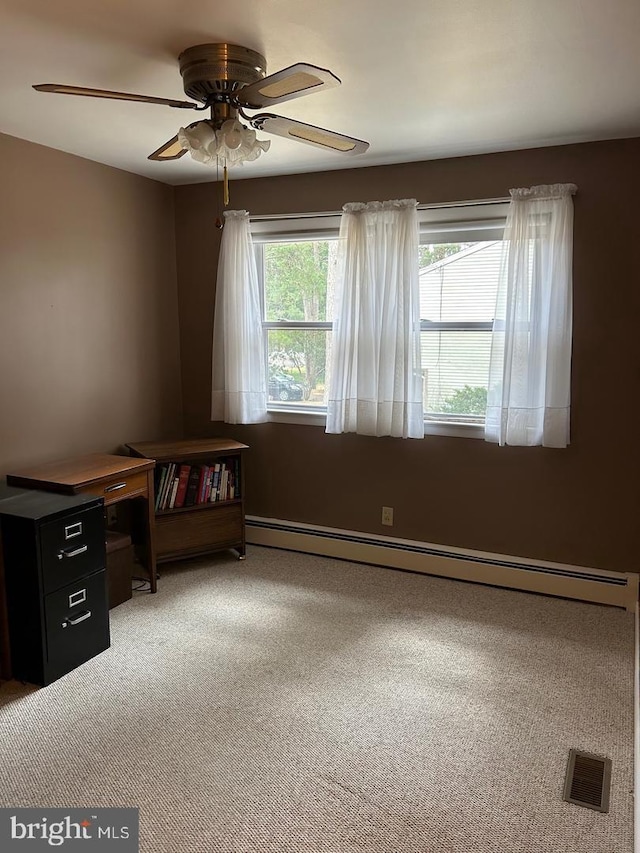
x,y
297,290
429,254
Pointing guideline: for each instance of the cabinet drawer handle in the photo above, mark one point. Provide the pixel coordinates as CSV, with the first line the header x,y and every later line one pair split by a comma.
x,y
115,487
76,620
73,553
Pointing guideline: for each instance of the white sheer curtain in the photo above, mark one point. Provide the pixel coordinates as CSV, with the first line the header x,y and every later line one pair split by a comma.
x,y
375,384
239,393
528,401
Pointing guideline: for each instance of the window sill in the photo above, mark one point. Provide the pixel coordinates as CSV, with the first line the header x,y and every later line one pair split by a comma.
x,y
454,430
297,416
305,418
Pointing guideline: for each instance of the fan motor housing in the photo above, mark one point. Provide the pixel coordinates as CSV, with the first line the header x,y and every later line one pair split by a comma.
x,y
214,72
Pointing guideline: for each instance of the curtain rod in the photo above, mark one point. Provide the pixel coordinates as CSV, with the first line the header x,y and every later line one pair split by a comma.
x,y
330,213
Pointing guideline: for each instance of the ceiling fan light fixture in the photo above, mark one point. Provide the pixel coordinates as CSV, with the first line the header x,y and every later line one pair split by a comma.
x,y
229,79
231,144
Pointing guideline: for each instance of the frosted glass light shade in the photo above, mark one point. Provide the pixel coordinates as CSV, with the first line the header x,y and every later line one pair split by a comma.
x,y
232,144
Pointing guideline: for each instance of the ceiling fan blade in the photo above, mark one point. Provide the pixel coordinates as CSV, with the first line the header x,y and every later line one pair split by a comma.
x,y
115,96
292,82
309,133
171,150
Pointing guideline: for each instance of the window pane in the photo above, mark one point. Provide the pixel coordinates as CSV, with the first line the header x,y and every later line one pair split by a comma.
x,y
298,365
455,371
459,281
298,280
458,284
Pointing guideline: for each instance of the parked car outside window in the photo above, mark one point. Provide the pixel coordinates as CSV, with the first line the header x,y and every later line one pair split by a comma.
x,y
284,387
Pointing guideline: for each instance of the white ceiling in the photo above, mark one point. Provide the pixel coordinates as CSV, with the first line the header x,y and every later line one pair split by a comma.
x,y
421,79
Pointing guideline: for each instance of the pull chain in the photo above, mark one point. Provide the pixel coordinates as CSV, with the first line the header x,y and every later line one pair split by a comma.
x,y
219,219
226,186
225,190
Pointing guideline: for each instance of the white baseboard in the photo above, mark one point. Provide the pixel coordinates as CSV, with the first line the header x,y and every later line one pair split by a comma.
x,y
619,589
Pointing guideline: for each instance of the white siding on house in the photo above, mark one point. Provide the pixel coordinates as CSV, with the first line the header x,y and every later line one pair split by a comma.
x,y
460,288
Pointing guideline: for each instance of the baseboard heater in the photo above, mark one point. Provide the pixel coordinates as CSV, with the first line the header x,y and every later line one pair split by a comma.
x,y
618,589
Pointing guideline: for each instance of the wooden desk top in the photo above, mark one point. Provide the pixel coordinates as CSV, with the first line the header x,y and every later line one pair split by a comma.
x,y
78,471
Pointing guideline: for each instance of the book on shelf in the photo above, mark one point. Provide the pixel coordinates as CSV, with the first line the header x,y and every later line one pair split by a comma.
x,y
214,483
169,490
161,473
192,486
173,491
207,489
166,480
162,485
183,479
202,484
181,484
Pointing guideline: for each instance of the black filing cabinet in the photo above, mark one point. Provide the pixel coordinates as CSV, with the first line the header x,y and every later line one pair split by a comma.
x,y
53,549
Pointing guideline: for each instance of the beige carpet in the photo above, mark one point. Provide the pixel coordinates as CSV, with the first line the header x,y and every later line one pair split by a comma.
x,y
296,704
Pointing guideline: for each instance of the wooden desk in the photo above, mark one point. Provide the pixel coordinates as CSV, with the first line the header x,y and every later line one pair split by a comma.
x,y
114,478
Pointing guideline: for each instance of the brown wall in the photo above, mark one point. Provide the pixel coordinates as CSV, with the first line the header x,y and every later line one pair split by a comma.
x,y
578,505
89,348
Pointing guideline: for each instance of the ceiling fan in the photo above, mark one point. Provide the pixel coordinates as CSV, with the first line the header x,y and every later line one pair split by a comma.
x,y
229,79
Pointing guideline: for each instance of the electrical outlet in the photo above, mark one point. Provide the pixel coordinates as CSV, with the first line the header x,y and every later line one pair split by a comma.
x,y
387,515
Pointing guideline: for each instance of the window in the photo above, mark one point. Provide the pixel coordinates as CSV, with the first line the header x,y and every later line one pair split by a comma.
x,y
296,267
459,260
459,264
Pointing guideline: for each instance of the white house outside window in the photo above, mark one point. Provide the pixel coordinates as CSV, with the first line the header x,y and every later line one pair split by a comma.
x,y
460,256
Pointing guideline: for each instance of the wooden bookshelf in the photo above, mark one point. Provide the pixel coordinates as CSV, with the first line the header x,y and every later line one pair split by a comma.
x,y
206,525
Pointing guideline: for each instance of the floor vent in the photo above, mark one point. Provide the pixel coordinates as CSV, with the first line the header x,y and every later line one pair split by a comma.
x,y
588,780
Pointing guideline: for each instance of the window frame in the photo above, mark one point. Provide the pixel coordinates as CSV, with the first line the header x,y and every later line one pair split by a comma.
x,y
439,223
291,229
